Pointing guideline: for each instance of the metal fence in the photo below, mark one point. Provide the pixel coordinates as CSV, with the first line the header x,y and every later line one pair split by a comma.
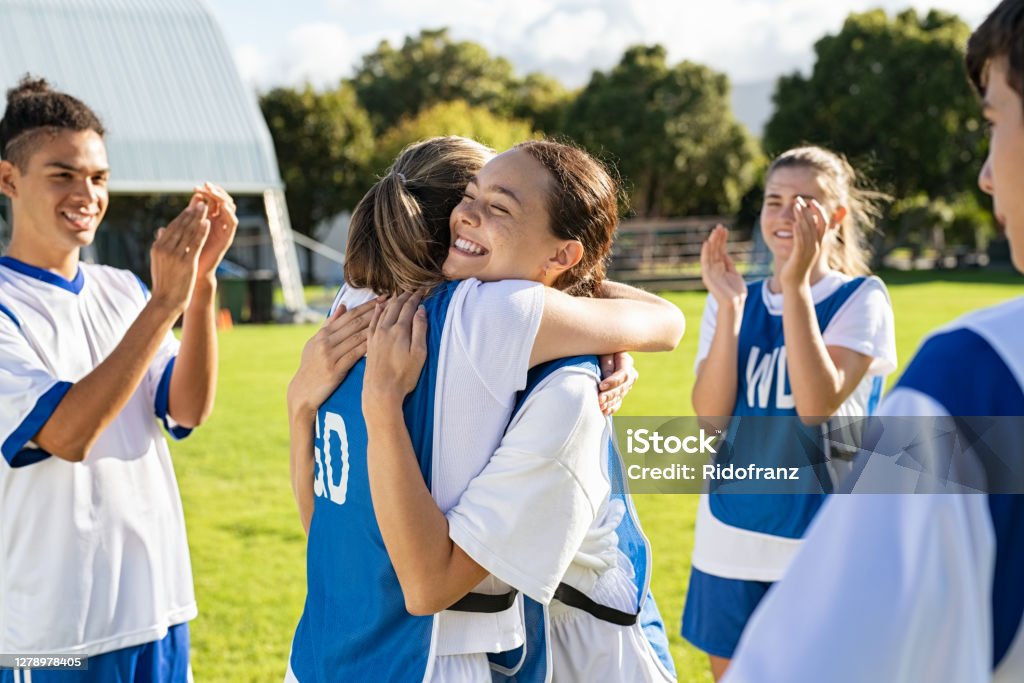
x,y
665,253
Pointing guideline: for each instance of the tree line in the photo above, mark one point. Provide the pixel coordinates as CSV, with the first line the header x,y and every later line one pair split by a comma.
x,y
889,92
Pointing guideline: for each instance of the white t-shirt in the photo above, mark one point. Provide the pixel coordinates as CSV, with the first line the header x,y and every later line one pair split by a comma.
x,y
539,514
93,555
533,517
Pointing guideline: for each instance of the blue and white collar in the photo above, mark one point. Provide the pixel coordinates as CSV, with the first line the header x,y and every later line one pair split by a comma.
x,y
74,285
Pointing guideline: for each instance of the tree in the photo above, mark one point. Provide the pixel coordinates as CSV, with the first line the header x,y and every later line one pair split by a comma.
x,y
671,131
451,118
431,68
427,69
891,94
542,100
324,142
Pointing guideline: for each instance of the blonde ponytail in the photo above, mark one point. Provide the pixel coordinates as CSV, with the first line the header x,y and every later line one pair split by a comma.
x,y
399,234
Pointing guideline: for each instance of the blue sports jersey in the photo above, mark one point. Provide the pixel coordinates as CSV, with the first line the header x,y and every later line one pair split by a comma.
x,y
354,625
531,663
766,430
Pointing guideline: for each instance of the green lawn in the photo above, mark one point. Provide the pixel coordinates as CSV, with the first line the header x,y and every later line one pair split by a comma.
x,y
247,545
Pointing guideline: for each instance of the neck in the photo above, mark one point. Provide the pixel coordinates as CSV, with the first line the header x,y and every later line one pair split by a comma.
x,y
63,263
818,271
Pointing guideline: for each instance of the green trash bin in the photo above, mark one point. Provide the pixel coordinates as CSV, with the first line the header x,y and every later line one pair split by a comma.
x,y
261,296
232,293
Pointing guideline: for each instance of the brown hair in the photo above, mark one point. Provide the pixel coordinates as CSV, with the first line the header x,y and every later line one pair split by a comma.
x,y
847,251
1000,35
33,107
399,232
582,205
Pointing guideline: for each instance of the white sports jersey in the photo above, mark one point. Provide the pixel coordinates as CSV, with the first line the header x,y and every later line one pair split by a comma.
x,y
533,516
911,587
539,514
93,555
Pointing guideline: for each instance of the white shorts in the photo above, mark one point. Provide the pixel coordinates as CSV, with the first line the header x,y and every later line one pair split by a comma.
x,y
472,668
585,648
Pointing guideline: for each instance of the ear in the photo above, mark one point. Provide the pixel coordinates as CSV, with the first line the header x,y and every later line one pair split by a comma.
x,y
570,252
9,176
838,215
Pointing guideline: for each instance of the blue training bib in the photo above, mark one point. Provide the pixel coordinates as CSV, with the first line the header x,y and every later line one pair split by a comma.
x,y
766,431
354,626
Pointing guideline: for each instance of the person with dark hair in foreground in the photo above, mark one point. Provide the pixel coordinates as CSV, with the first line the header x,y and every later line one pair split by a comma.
x,y
924,587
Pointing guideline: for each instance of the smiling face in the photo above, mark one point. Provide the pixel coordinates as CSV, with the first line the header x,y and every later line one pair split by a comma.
x,y
60,196
501,229
778,217
1001,175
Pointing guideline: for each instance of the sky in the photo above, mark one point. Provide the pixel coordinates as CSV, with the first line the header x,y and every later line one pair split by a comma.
x,y
294,41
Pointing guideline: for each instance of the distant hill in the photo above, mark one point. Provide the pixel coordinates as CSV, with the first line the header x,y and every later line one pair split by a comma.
x,y
752,103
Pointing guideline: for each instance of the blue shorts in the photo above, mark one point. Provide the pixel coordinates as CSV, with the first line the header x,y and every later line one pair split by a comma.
x,y
717,610
162,661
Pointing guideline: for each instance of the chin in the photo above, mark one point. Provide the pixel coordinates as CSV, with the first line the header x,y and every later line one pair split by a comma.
x,y
458,269
452,273
83,239
1017,256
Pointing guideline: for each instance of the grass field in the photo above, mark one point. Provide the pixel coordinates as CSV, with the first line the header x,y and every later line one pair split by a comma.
x,y
248,548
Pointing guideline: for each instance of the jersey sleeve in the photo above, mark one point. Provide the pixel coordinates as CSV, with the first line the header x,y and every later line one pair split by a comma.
x,y
866,325
158,383
525,516
920,447
708,322
885,588
495,324
28,392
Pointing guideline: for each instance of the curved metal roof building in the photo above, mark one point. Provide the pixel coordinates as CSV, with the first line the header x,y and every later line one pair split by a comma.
x,y
161,77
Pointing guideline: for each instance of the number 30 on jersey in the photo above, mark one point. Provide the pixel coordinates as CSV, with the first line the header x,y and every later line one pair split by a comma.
x,y
326,474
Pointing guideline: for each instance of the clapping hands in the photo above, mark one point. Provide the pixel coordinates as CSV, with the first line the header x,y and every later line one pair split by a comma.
x,y
223,218
718,271
808,232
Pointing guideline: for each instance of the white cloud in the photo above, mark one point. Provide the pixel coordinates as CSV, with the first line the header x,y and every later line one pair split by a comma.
x,y
750,40
320,53
253,65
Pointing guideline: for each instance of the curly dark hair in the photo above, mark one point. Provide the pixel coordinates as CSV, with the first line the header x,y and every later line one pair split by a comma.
x,y
34,107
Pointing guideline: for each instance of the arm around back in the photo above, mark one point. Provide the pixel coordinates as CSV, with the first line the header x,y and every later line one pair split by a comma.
x,y
629,320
